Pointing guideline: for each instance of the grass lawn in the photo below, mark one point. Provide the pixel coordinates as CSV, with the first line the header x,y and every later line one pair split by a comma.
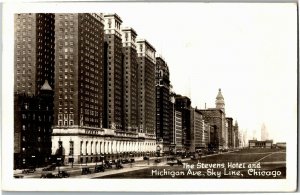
x,y
259,150
275,157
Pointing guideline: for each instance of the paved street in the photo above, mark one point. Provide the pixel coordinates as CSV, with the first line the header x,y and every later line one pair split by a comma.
x,y
268,160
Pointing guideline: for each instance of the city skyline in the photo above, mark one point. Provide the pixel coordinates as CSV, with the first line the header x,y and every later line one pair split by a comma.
x,y
253,32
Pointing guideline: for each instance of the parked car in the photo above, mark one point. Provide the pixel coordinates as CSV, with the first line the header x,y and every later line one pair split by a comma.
x,y
85,171
119,166
157,160
18,176
173,161
132,160
48,175
193,157
99,168
125,161
63,174
107,165
29,170
49,168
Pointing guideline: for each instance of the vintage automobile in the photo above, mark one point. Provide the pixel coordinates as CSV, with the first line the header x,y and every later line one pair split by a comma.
x,y
18,176
157,160
173,161
146,158
62,174
48,175
132,160
85,171
108,165
99,168
125,161
50,167
119,165
29,170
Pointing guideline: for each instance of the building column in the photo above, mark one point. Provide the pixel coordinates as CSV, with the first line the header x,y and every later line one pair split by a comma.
x,y
84,147
89,148
92,148
100,147
104,147
113,145
117,147
96,147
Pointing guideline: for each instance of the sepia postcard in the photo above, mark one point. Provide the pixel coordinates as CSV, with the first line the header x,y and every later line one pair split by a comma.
x,y
153,97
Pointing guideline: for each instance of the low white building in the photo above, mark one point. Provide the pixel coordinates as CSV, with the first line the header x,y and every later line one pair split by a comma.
x,y
82,145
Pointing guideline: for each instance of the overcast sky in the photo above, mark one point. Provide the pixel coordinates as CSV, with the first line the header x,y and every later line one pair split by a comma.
x,y
248,50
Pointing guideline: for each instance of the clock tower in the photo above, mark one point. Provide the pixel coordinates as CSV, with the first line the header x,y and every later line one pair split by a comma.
x,y
220,101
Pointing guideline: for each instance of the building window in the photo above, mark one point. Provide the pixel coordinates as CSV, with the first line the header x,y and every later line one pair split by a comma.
x,y
60,148
71,148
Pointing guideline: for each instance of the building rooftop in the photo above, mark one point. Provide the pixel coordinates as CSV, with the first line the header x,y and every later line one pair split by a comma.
x,y
46,86
140,40
129,29
113,15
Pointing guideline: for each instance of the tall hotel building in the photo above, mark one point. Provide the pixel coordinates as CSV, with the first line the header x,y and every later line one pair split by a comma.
x,y
113,73
79,73
146,87
130,82
162,104
89,91
33,84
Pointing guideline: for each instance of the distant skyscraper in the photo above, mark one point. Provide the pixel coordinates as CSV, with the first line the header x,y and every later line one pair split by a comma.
x,y
220,103
33,84
130,82
146,87
236,135
264,133
183,104
230,131
197,130
114,72
34,52
162,102
217,118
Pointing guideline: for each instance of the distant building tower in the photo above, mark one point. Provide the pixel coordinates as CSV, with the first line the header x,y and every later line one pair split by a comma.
x,y
146,87
33,83
130,81
236,135
34,52
220,101
230,131
113,72
162,103
197,130
183,104
264,133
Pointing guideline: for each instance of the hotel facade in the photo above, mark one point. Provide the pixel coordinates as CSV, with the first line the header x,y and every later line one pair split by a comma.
x,y
89,122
